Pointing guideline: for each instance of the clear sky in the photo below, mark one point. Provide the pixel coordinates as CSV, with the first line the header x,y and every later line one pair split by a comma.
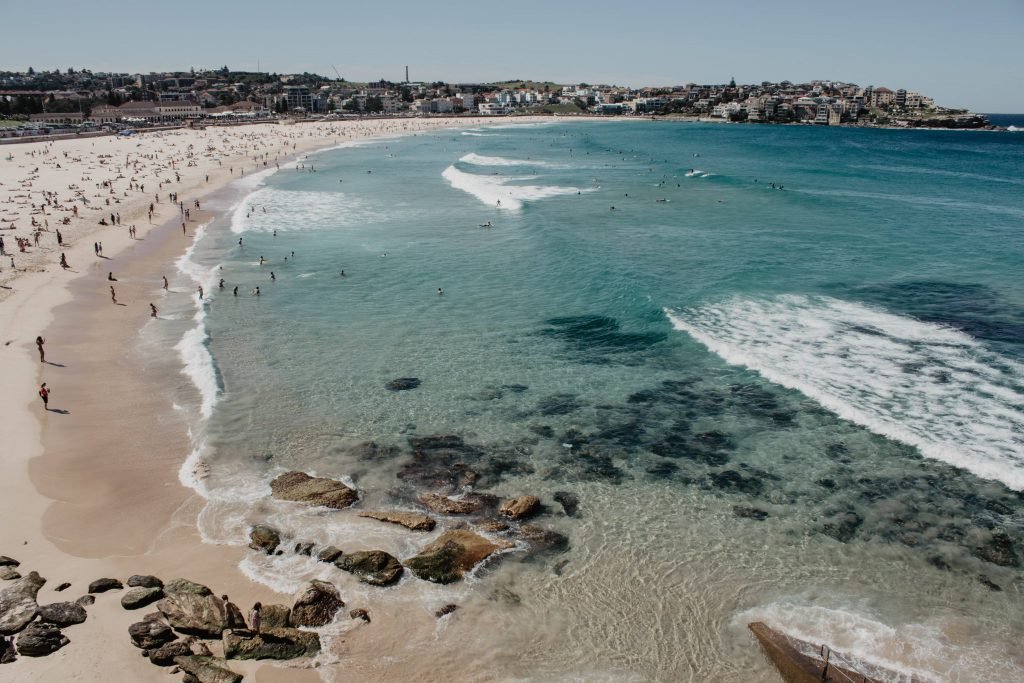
x,y
965,54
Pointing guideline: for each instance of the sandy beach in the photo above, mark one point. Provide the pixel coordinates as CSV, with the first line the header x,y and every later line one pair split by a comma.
x,y
90,486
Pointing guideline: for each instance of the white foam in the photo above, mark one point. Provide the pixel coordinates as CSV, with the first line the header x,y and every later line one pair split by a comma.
x,y
475,134
930,386
299,210
479,160
197,362
490,189
913,651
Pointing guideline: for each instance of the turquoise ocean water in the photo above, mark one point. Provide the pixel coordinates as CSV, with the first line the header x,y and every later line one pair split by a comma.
x,y
784,376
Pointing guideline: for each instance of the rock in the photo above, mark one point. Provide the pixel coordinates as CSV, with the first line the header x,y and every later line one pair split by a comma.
x,y
410,520
166,653
8,561
987,583
265,538
998,549
40,639
140,597
443,505
86,600
521,507
144,581
207,669
150,633
300,487
9,573
447,609
359,614
271,643
493,526
104,585
304,549
328,554
316,605
62,587
749,512
542,539
18,603
7,651
63,613
569,501
276,616
452,554
193,609
842,526
374,567
402,384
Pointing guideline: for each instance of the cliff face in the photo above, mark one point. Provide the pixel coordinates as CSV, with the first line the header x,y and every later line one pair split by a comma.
x,y
968,121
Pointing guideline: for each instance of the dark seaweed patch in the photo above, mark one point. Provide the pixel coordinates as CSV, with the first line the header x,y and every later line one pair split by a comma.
x,y
598,334
558,404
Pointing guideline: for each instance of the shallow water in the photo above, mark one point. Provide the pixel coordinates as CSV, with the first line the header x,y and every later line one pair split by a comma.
x,y
800,404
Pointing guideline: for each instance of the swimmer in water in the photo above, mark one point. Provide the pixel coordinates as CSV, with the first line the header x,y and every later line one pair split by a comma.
x,y
272,276
440,292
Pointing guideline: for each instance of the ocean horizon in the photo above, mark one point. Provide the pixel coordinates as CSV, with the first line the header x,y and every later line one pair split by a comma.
x,y
780,368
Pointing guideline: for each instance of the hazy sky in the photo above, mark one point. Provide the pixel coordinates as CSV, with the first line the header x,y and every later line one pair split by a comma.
x,y
965,54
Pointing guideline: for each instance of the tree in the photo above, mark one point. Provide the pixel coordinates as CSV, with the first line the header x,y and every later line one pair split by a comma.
x,y
31,71
352,105
374,104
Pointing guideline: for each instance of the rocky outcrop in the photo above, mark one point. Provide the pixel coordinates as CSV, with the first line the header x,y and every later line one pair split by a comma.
x,y
543,540
150,633
328,554
265,538
139,597
443,505
452,554
62,613
521,507
144,581
569,502
493,526
18,603
374,567
165,654
40,639
316,605
104,585
402,384
410,520
193,609
207,669
276,616
271,643
302,488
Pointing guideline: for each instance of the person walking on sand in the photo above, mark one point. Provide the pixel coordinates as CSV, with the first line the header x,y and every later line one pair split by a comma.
x,y
113,294
39,345
44,394
165,282
152,311
255,616
64,262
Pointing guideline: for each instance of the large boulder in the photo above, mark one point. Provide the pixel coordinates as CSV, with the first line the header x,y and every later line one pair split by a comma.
x,y
18,604
104,585
410,520
328,554
150,633
139,597
521,507
374,567
207,669
443,505
300,487
276,616
265,538
271,643
165,654
40,639
62,613
144,581
452,554
193,609
316,605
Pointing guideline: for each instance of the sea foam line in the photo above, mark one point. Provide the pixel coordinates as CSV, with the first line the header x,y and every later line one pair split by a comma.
x,y
496,191
480,160
929,386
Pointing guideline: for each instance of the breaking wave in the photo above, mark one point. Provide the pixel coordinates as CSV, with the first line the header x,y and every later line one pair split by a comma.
x,y
498,191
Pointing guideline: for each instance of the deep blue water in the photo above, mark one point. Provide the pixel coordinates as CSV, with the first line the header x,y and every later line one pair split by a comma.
x,y
680,323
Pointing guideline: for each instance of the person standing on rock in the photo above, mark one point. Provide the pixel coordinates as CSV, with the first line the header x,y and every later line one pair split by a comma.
x,y
44,394
39,345
255,616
